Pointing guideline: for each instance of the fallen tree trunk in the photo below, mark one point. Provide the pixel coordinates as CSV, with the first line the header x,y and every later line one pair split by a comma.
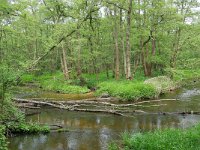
x,y
103,107
157,100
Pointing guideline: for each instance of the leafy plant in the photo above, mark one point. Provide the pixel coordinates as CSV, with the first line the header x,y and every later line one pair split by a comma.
x,y
170,139
3,142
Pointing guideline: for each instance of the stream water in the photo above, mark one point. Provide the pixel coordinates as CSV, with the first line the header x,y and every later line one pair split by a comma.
x,y
94,131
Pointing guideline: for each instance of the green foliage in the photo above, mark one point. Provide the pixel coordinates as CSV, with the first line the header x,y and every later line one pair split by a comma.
x,y
127,90
9,113
92,80
3,143
180,75
170,139
7,78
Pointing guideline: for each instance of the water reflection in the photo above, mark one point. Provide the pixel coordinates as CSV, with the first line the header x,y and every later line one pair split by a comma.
x,y
91,131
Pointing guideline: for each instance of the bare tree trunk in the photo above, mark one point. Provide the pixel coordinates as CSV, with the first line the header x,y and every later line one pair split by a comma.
x,y
64,62
176,49
128,46
79,72
116,47
122,43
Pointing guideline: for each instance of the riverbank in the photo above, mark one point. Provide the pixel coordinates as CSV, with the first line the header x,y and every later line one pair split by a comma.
x,y
137,89
169,139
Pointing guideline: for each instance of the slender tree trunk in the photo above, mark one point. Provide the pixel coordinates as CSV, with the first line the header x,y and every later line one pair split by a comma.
x,y
176,49
116,47
128,46
64,62
93,58
79,71
122,43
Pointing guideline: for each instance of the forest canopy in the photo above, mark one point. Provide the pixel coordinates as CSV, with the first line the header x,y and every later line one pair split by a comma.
x,y
79,36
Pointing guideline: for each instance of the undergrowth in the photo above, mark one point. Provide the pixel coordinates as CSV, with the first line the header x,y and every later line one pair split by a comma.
x,y
127,90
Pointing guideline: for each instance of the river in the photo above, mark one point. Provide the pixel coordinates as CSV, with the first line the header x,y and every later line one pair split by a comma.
x,y
94,131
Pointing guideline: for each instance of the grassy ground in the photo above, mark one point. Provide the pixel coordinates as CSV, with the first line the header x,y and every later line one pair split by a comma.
x,y
169,139
55,82
139,88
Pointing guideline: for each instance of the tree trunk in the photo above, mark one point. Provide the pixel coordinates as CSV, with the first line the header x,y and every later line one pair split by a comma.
x,y
128,46
176,49
116,47
64,62
79,72
122,43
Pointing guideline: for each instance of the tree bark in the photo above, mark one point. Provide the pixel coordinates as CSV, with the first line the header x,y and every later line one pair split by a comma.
x,y
79,71
64,62
122,43
128,46
116,46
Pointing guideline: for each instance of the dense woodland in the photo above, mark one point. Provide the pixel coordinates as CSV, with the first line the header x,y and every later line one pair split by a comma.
x,y
73,46
100,35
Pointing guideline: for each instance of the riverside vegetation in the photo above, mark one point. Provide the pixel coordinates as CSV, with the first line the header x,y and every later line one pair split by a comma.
x,y
170,139
139,88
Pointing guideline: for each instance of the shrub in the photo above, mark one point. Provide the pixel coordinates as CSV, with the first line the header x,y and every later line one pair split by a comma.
x,y
127,90
3,143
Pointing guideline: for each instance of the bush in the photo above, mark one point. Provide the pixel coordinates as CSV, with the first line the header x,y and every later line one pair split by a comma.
x,y
170,139
127,90
3,143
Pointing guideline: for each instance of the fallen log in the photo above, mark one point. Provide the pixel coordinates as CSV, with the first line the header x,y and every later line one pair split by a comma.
x,y
151,101
40,103
102,111
32,113
104,107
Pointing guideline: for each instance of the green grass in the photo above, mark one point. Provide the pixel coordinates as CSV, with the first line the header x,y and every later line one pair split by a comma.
x,y
169,139
27,128
127,90
55,82
62,87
